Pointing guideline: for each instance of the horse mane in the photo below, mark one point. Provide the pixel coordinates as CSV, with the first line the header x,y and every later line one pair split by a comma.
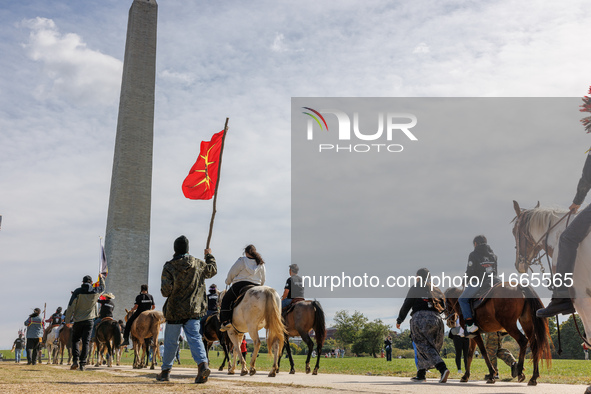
x,y
540,219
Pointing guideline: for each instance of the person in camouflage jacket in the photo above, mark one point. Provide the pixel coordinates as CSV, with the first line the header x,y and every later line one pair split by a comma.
x,y
183,283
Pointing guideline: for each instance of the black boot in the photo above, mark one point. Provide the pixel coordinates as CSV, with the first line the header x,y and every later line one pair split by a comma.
x,y
202,373
421,376
560,303
163,376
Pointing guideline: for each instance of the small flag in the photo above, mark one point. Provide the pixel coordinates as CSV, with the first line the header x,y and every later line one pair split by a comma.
x,y
202,179
104,269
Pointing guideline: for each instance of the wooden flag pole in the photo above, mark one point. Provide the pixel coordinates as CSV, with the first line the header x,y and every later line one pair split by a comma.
x,y
217,184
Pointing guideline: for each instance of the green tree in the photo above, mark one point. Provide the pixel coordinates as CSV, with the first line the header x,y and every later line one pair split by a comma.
x,y
402,340
570,340
371,338
348,327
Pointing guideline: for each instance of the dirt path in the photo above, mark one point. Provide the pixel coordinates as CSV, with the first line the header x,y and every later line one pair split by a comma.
x,y
182,378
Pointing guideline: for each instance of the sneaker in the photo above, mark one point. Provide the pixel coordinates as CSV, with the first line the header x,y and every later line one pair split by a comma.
x,y
74,366
472,328
444,376
417,379
81,367
125,342
556,306
460,371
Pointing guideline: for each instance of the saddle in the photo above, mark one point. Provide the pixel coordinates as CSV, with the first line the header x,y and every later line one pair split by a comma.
x,y
482,296
290,307
106,319
241,296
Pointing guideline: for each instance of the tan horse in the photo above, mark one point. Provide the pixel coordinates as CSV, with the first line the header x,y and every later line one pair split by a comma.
x,y
304,317
49,337
260,307
146,326
65,341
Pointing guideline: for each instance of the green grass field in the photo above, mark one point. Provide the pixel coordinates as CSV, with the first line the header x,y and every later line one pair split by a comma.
x,y
561,371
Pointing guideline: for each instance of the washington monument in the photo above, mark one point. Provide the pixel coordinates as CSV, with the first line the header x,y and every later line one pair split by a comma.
x,y
127,238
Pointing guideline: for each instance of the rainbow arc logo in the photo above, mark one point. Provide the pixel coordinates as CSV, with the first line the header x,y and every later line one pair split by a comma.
x,y
315,118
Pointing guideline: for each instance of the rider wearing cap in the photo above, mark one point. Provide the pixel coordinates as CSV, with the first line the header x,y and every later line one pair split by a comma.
x,y
143,302
294,286
482,263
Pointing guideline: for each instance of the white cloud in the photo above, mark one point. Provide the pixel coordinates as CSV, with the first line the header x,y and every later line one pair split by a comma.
x,y
279,43
71,71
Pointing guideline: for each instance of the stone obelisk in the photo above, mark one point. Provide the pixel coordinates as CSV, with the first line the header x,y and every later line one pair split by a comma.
x,y
127,238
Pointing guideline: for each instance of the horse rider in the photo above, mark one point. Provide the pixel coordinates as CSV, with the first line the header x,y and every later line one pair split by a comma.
x,y
570,239
106,309
56,320
482,267
247,270
212,305
82,309
143,302
294,287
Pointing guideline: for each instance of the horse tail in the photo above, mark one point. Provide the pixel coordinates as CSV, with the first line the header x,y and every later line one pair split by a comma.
x,y
116,335
275,328
540,342
319,324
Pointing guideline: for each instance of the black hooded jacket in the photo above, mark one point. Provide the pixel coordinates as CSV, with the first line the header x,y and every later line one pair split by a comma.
x,y
481,262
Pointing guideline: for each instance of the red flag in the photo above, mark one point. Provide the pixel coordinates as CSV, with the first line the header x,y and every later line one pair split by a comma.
x,y
201,181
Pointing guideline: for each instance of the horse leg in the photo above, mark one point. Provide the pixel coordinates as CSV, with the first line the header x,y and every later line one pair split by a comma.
x,y
522,342
288,351
226,348
470,356
236,347
306,338
492,372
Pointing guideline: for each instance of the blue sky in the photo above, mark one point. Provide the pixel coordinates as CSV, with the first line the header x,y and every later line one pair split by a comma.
x,y
60,76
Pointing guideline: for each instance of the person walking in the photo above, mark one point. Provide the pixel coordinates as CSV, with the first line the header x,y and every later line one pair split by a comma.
x,y
183,284
493,342
35,327
143,302
17,347
461,345
82,309
426,325
388,347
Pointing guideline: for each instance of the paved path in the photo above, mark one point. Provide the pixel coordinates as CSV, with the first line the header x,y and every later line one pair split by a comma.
x,y
362,383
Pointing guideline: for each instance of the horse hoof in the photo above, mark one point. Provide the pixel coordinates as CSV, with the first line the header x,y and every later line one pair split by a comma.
x,y
490,381
230,372
292,372
315,372
521,378
463,380
252,371
152,367
308,370
243,372
272,374
220,369
532,383
96,365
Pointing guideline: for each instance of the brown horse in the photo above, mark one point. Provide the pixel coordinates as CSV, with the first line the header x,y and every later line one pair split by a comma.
x,y
108,335
65,341
146,326
212,333
504,306
304,317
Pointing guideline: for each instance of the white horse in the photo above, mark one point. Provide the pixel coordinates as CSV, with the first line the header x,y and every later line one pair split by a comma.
x,y
52,348
260,307
531,226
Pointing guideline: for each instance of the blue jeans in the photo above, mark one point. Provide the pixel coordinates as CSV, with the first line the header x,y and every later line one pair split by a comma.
x,y
285,303
171,342
464,301
17,355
